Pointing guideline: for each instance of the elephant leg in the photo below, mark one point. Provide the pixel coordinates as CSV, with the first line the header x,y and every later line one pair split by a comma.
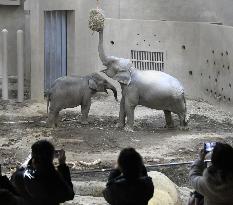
x,y
53,117
122,113
130,116
182,118
168,118
183,122
85,108
56,118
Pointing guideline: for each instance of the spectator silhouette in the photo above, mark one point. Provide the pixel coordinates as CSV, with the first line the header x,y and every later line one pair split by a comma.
x,y
8,198
8,194
40,183
129,182
215,183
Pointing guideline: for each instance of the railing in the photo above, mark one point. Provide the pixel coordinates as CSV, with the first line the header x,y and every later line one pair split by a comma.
x,y
20,65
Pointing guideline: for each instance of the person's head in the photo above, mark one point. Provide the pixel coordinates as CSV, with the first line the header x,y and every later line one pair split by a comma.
x,y
42,154
222,157
130,163
7,198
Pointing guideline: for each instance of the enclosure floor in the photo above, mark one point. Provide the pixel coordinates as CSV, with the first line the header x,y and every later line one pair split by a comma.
x,y
23,124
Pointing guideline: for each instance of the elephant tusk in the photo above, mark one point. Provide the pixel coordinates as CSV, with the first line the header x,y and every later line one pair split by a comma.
x,y
103,71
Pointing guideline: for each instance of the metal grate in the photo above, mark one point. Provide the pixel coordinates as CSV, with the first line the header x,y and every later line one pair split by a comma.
x,y
146,60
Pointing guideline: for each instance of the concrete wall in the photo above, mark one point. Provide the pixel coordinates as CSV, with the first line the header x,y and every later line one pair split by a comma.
x,y
200,55
12,19
171,10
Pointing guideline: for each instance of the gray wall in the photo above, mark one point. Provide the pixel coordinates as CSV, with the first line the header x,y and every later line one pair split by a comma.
x,y
171,10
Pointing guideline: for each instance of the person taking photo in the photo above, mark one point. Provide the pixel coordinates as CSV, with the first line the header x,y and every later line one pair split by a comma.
x,y
214,183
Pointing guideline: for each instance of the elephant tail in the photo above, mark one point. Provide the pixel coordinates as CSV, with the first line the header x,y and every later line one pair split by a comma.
x,y
185,107
47,94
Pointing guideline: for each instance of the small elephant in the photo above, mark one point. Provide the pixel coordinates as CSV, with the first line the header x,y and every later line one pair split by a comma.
x,y
69,92
153,89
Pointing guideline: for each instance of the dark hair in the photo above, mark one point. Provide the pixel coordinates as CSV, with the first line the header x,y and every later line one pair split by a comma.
x,y
7,198
130,163
222,158
43,153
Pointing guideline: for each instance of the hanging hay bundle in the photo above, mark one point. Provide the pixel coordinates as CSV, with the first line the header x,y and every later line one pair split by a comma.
x,y
96,20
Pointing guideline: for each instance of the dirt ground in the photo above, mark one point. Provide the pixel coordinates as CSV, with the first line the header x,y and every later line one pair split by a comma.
x,y
23,124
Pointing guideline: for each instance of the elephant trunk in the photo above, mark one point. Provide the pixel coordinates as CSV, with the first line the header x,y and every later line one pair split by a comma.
x,y
114,90
102,54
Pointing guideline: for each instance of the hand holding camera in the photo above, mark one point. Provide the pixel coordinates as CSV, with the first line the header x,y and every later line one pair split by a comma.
x,y
61,156
208,148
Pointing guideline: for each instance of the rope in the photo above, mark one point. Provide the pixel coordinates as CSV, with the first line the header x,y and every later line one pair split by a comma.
x,y
148,167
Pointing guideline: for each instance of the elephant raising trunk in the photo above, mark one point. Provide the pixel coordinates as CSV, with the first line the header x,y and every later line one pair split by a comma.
x,y
102,54
153,89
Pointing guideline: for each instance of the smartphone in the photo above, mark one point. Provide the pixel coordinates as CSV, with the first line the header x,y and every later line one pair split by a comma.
x,y
57,153
209,146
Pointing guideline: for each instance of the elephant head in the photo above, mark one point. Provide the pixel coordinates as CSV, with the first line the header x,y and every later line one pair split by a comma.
x,y
117,68
99,84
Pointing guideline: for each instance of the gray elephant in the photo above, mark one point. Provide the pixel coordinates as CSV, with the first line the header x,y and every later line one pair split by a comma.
x,y
69,92
153,89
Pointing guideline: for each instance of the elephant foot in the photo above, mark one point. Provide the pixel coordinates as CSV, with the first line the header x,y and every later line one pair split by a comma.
x,y
50,124
120,125
170,126
128,129
183,128
84,122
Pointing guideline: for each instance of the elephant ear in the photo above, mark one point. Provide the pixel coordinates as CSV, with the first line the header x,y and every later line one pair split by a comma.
x,y
123,77
92,84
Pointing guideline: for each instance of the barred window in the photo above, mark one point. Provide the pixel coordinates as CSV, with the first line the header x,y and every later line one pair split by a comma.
x,y
146,60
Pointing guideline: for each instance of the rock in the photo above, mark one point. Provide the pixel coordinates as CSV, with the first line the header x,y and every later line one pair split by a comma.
x,y
92,188
86,200
166,192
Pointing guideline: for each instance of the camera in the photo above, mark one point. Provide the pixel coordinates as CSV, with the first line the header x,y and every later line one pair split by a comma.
x,y
57,153
209,146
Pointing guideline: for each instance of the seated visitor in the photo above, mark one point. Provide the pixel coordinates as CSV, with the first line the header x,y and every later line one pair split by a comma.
x,y
40,182
8,194
8,198
215,183
129,182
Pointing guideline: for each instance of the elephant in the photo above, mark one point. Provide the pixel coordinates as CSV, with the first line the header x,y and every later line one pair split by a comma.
x,y
152,89
69,92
